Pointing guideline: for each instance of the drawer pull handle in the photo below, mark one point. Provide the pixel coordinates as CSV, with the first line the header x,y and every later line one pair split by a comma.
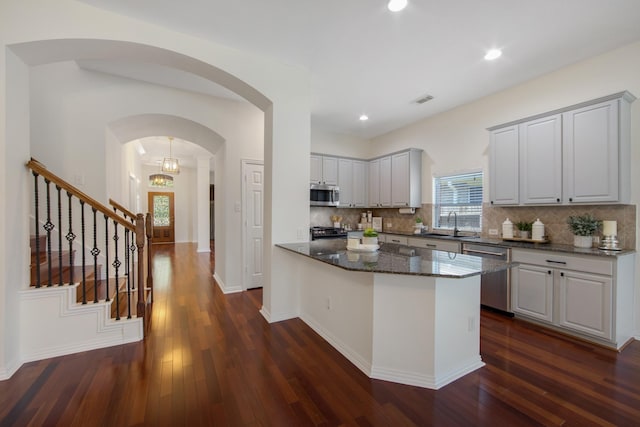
x,y
556,262
430,246
475,251
395,241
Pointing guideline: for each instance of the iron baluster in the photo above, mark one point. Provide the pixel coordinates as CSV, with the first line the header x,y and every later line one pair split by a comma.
x,y
106,256
127,271
95,252
37,228
116,266
70,238
84,262
48,226
58,188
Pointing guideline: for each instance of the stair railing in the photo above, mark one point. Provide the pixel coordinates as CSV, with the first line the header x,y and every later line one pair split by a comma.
x,y
93,244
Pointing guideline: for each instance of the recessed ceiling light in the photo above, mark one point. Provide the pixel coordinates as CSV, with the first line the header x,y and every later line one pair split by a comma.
x,y
396,5
493,54
364,118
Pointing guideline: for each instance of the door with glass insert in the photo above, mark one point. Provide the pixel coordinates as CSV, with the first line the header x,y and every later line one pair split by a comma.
x,y
161,207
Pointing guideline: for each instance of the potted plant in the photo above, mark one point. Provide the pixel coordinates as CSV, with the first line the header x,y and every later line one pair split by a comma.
x,y
417,228
524,228
370,237
583,228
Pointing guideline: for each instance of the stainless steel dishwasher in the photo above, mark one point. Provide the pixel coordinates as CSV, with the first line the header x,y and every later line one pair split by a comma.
x,y
495,288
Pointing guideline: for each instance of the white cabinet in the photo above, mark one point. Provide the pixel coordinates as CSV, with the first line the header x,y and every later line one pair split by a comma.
x,y
323,170
541,160
397,239
578,154
503,164
592,152
406,179
532,292
352,175
587,296
380,182
584,302
435,244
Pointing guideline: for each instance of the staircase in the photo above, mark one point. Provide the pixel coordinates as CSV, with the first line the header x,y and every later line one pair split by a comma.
x,y
90,283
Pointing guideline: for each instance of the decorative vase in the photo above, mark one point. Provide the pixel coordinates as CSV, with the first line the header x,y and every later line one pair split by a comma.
x,y
369,240
524,234
582,241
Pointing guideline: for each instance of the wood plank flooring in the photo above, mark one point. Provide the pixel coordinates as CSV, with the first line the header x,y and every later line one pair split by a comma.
x,y
212,360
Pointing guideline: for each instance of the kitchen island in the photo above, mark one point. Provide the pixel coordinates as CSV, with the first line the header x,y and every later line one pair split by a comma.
x,y
401,314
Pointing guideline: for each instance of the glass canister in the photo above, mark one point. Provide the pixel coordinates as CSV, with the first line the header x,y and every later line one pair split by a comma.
x,y
507,229
537,230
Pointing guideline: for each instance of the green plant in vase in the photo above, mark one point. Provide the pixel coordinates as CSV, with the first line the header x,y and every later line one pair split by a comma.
x,y
417,228
583,228
525,229
370,237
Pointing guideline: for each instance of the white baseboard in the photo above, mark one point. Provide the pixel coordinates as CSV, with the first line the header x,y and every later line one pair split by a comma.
x,y
427,381
360,362
7,371
226,290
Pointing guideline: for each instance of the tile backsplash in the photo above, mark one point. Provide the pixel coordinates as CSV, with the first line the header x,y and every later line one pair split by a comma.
x,y
553,217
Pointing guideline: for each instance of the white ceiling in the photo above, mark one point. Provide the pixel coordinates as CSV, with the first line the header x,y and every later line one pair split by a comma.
x,y
156,148
365,59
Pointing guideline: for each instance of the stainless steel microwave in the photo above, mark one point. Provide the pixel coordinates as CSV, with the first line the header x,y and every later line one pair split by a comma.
x,y
324,195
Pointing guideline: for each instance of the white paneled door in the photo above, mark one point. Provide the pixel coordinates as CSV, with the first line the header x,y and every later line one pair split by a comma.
x,y
253,198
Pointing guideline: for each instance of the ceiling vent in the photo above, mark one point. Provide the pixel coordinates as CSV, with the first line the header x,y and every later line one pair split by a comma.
x,y
423,99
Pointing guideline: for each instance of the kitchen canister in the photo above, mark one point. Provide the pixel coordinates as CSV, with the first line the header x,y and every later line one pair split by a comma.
x,y
537,230
507,229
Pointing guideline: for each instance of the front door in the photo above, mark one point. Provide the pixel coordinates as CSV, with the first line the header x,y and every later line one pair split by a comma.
x,y
161,207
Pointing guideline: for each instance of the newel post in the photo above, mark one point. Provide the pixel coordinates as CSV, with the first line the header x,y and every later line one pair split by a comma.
x,y
140,244
149,231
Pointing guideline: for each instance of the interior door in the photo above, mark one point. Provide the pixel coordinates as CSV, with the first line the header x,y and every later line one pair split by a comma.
x,y
162,209
253,224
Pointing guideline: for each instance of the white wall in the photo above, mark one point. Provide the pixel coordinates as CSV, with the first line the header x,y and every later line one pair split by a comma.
x,y
457,140
40,31
325,142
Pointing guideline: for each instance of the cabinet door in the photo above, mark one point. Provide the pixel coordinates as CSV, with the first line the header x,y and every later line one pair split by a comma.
x,y
590,150
359,196
532,292
400,179
385,181
503,166
374,183
541,160
330,170
585,303
315,175
345,182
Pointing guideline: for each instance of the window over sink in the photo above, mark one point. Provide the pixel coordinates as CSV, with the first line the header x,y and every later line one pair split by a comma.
x,y
459,195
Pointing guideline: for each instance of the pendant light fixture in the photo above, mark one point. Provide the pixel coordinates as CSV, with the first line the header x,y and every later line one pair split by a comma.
x,y
170,164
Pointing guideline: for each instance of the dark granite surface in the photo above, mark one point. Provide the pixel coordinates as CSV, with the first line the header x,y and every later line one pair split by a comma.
x,y
568,249
397,259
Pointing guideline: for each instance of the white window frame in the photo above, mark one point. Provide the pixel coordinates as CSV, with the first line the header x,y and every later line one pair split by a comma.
x,y
474,208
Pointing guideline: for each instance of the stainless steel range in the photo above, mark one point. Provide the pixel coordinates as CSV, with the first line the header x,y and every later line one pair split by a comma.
x,y
327,233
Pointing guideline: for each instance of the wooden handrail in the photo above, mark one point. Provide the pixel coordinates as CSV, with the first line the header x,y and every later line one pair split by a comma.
x,y
124,210
39,168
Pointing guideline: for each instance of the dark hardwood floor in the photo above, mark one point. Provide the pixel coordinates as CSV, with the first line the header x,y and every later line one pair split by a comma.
x,y
212,360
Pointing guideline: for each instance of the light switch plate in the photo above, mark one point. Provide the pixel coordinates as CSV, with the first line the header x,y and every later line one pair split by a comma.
x,y
493,232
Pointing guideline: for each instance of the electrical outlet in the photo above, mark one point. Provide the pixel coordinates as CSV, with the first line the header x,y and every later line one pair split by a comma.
x,y
471,324
389,225
493,232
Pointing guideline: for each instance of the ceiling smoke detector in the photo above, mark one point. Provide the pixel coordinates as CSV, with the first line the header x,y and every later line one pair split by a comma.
x,y
423,99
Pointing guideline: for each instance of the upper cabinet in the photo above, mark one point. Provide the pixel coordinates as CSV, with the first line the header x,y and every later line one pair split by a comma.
x,y
579,154
503,163
380,182
323,170
352,180
406,179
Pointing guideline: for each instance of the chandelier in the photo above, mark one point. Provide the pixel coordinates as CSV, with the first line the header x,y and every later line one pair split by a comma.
x,y
170,164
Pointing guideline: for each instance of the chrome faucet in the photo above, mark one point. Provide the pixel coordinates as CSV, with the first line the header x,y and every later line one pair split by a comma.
x,y
455,222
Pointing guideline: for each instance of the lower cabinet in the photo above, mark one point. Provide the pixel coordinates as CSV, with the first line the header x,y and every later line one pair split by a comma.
x,y
586,296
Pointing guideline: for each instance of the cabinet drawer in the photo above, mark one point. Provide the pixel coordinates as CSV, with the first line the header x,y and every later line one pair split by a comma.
x,y
399,240
587,264
434,244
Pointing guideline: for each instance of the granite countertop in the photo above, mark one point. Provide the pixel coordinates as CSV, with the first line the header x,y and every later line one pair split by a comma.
x,y
552,247
397,259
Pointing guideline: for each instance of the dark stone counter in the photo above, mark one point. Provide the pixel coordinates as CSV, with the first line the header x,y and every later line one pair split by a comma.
x,y
396,259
